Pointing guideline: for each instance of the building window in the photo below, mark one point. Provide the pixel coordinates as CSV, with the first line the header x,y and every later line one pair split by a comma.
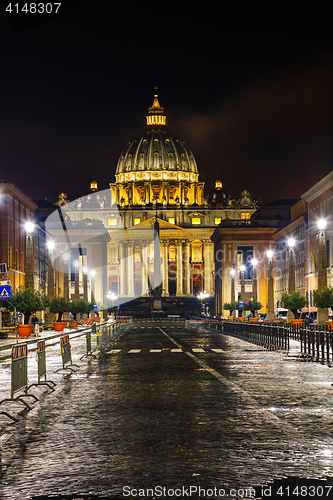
x,y
171,220
137,220
112,222
245,216
196,220
217,220
172,253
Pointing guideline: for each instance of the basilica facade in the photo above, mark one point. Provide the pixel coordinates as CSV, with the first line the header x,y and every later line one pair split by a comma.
x,y
156,179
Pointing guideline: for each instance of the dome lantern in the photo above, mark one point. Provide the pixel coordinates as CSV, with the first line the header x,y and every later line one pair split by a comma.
x,y
156,114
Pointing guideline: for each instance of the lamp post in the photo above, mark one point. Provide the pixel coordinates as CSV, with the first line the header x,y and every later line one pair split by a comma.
x,y
29,255
202,296
112,297
254,279
50,272
85,284
232,273
322,314
242,271
270,290
92,282
77,276
291,280
66,282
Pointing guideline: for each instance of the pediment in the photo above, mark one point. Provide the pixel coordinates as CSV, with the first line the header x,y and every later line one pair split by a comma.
x,y
151,221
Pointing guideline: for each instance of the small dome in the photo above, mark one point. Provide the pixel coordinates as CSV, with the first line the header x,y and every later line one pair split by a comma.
x,y
218,195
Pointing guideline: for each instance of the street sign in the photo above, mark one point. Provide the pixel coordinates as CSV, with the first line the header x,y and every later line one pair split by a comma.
x,y
246,301
6,292
241,305
19,315
95,308
5,282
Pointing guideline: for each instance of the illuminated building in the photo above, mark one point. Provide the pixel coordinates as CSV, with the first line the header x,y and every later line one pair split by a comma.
x,y
157,175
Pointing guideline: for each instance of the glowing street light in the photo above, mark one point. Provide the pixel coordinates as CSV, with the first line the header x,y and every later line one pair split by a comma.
x,y
270,290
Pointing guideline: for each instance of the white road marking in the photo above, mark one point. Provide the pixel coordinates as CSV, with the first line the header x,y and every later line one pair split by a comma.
x,y
198,349
176,350
218,350
113,351
134,351
155,350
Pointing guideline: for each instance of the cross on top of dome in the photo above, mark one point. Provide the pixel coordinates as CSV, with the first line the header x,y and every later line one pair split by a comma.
x,y
156,114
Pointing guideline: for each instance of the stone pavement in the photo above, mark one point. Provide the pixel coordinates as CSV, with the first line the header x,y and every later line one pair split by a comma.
x,y
169,408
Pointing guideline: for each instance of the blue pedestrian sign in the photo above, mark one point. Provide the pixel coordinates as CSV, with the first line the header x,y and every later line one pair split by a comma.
x,y
95,308
241,305
6,292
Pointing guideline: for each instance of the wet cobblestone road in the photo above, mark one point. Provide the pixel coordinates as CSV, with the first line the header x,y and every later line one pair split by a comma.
x,y
172,408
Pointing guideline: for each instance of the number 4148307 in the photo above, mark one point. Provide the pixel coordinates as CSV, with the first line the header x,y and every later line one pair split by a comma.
x,y
34,8
302,491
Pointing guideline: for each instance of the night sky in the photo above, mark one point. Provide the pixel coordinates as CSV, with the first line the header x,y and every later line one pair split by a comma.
x,y
247,84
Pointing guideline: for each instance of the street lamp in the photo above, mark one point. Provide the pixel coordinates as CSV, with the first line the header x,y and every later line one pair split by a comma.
x,y
76,283
50,272
254,279
322,314
85,283
232,273
270,290
92,282
29,255
202,296
112,297
66,282
291,281
242,271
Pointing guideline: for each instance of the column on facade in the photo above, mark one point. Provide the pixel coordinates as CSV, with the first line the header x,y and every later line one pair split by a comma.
x,y
130,263
122,269
144,269
165,275
208,266
187,275
147,192
179,289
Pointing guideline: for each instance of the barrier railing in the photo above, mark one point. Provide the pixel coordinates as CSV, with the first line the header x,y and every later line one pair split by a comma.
x,y
102,332
267,335
19,377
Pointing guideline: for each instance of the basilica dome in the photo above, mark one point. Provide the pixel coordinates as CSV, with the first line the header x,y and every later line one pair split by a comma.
x,y
157,167
157,149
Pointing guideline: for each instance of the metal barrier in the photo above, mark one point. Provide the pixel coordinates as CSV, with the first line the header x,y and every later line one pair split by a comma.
x,y
267,335
19,365
66,354
316,342
19,377
42,366
271,336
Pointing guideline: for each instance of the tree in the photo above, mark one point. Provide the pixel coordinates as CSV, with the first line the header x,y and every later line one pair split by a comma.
x,y
323,297
28,301
293,301
59,305
231,306
80,306
253,306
